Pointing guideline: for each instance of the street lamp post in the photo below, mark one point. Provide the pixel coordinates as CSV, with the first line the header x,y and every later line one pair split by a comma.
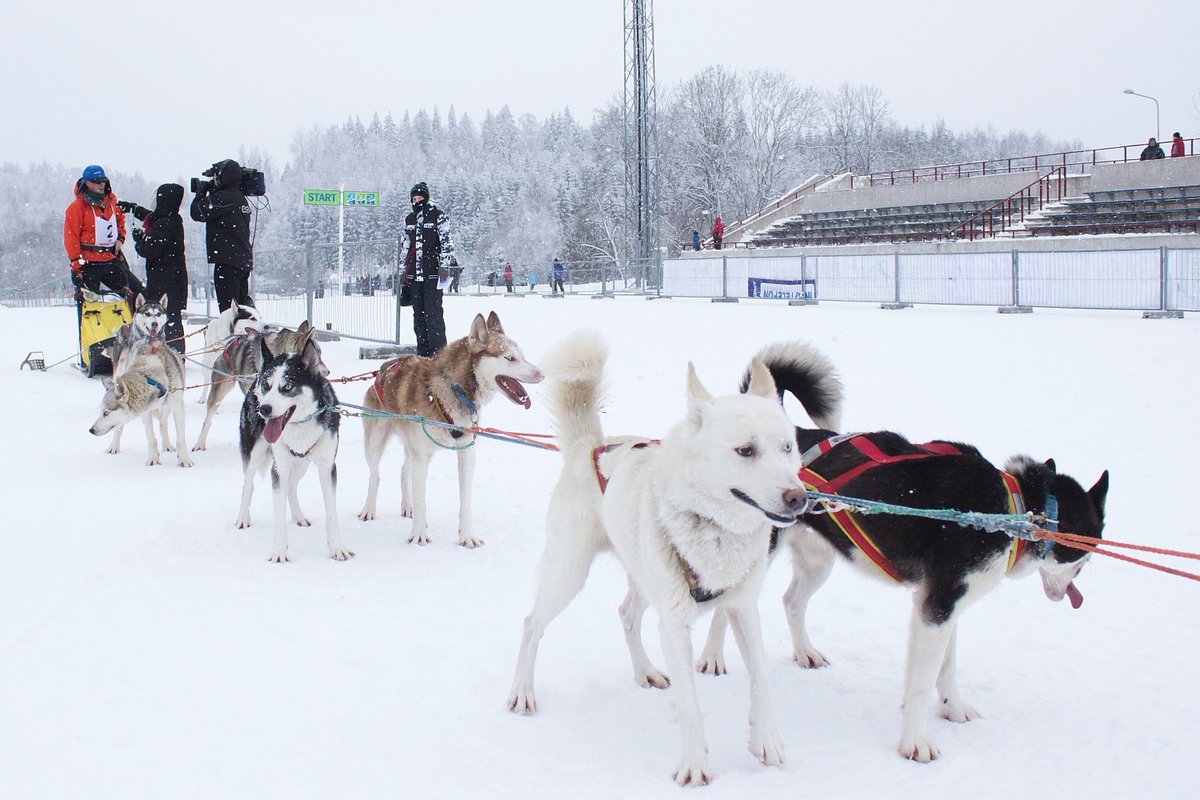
x,y
1157,121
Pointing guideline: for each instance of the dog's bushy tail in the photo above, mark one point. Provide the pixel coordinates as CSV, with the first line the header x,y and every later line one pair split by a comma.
x,y
575,373
810,376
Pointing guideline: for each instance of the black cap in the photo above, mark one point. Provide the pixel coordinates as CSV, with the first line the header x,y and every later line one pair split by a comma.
x,y
420,189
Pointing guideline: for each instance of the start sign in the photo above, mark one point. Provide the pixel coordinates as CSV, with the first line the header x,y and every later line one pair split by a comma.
x,y
322,197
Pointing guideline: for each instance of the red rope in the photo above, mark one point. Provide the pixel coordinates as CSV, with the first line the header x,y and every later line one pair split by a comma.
x,y
1092,544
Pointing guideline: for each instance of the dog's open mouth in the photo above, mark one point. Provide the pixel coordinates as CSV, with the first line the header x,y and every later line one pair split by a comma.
x,y
275,425
782,519
513,389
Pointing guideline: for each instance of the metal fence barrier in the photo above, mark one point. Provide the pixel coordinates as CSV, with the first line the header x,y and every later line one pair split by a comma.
x,y
1161,278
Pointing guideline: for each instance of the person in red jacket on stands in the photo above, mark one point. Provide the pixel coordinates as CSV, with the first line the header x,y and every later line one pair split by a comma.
x,y
718,233
1177,146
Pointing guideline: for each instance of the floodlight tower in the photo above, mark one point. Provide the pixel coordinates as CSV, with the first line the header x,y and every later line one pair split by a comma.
x,y
641,130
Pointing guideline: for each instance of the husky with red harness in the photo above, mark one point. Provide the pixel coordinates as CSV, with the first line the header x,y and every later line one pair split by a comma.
x,y
947,566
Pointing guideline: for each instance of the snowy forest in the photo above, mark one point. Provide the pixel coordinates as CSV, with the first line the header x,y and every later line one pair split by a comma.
x,y
534,189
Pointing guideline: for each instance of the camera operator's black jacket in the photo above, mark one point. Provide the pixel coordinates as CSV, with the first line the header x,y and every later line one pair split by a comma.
x,y
427,244
225,212
162,247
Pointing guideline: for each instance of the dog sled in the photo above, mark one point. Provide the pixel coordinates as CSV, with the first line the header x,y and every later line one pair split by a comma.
x,y
101,315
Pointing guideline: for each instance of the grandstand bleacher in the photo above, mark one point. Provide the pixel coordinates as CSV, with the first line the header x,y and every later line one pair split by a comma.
x,y
1080,192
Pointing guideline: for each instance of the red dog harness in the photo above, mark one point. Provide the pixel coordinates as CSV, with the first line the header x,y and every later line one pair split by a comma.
x,y
848,522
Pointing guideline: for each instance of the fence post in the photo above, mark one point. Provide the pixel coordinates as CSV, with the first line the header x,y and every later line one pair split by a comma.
x,y
399,279
310,283
896,274
1162,272
1016,277
724,276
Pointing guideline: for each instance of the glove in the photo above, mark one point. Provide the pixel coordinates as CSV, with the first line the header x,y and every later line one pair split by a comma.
x,y
76,277
138,235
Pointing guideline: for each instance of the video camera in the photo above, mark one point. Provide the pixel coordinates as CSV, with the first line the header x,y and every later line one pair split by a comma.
x,y
253,183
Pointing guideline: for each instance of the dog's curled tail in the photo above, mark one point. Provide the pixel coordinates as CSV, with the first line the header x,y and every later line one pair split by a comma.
x,y
575,372
810,376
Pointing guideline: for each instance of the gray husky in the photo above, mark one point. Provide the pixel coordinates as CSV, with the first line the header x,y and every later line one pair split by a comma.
x,y
147,382
290,416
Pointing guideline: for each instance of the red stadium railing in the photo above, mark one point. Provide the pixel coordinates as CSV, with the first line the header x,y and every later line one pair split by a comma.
x,y
1073,161
1013,209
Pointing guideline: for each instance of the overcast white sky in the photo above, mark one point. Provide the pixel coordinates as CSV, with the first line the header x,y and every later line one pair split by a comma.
x,y
164,89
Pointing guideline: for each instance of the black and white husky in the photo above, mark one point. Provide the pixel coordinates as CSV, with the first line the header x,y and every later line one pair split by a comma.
x,y
948,567
290,416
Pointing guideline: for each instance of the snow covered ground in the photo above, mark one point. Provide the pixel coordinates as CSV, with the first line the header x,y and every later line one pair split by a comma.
x,y
148,649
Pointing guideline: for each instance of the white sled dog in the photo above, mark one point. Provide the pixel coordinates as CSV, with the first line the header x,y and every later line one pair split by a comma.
x,y
233,321
450,387
290,418
147,383
691,519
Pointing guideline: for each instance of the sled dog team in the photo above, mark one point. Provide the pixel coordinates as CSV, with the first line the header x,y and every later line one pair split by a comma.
x,y
695,517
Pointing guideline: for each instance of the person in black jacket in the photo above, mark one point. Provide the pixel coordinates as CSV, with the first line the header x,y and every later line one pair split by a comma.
x,y
225,212
1152,151
426,255
160,242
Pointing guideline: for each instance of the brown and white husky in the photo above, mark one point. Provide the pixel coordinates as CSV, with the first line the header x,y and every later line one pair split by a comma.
x,y
450,387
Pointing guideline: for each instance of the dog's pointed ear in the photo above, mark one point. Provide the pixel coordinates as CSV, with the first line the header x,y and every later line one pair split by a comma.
x,y
1099,493
493,323
108,382
761,382
1050,465
162,301
138,302
310,356
698,396
304,328
264,351
479,329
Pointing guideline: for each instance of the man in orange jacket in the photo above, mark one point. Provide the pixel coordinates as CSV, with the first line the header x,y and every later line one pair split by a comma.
x,y
93,232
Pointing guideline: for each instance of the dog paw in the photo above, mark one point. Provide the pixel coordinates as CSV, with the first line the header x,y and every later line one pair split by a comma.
x,y
766,747
153,461
186,462
957,711
199,446
242,522
652,679
419,538
711,664
521,700
406,511
692,774
470,542
367,514
810,658
279,557
341,554
303,522
921,750
170,448
112,451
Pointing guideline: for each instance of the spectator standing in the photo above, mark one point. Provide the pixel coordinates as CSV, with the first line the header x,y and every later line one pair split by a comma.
x,y
1152,151
532,280
225,212
426,258
508,276
718,233
696,240
556,276
455,274
1177,146
160,241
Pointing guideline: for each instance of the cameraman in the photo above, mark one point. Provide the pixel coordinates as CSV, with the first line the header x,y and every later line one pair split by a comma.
x,y
225,212
159,240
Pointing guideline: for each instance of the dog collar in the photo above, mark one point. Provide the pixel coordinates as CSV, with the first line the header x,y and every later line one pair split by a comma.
x,y
456,432
695,588
461,396
162,390
608,448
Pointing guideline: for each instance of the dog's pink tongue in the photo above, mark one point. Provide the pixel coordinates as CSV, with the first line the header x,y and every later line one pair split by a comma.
x,y
275,425
1074,595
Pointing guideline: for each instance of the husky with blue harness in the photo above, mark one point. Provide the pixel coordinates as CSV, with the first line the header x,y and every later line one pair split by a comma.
x,y
148,384
947,566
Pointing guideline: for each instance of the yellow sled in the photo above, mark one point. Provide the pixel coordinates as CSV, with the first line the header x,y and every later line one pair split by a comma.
x,y
102,315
